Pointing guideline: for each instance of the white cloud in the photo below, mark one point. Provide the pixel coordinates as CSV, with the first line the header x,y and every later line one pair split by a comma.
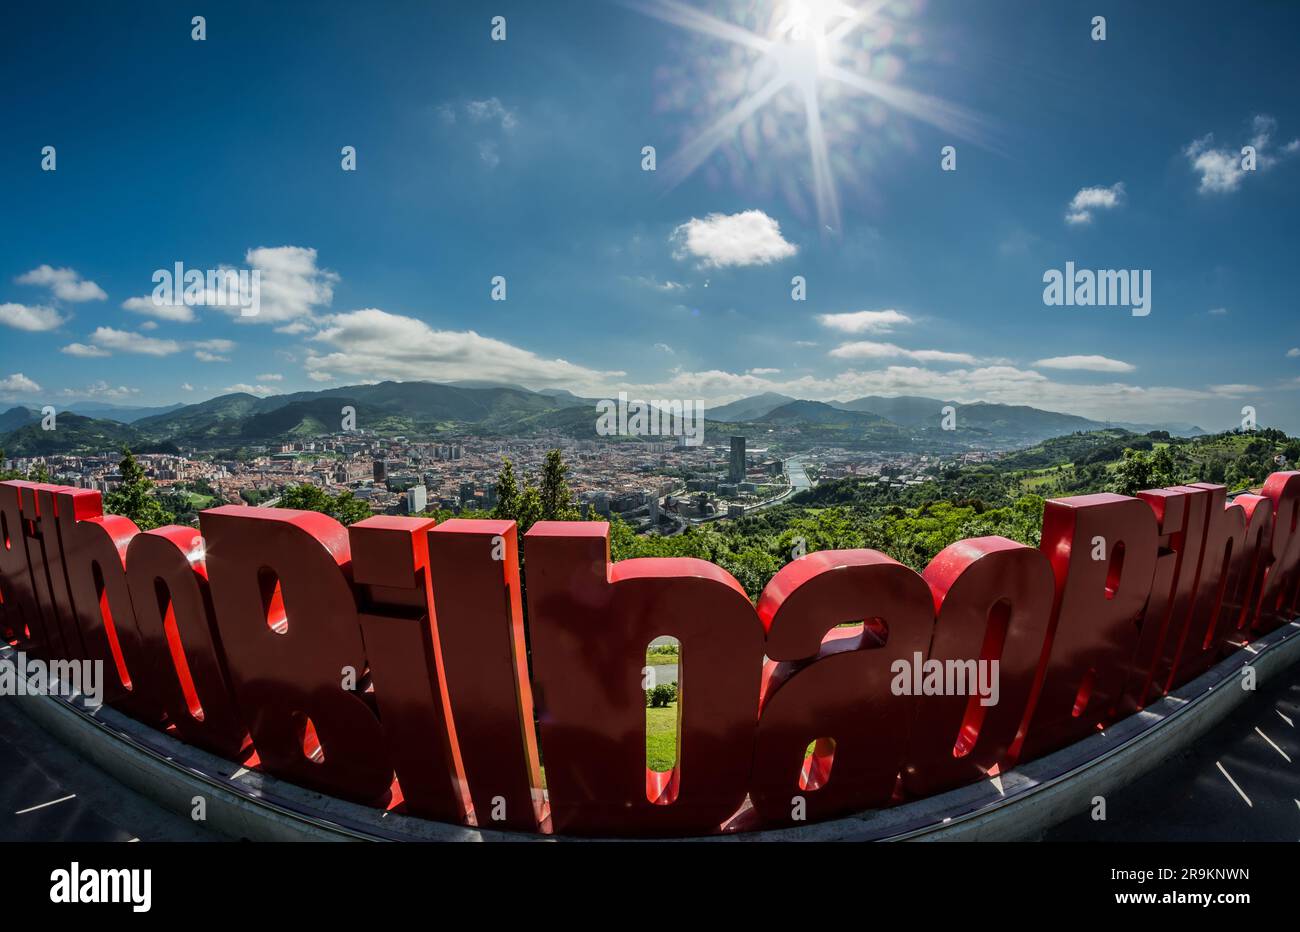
x,y
491,111
85,351
722,240
187,387
64,284
994,383
106,339
270,377
763,371
1085,364
1092,199
291,287
125,342
864,321
144,304
649,281
100,389
1235,390
1293,352
31,318
1262,126
245,388
1218,312
374,344
665,348
1220,168
940,356
484,116
13,384
869,349
292,284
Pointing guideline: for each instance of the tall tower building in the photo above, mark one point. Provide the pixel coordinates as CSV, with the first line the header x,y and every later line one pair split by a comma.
x,y
737,471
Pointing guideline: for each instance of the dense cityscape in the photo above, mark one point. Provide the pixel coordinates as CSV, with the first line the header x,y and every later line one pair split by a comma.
x,y
657,487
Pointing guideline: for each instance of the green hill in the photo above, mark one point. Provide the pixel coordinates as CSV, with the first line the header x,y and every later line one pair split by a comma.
x,y
72,433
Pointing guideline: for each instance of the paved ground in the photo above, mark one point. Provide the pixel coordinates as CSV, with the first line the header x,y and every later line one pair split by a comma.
x,y
50,794
1241,782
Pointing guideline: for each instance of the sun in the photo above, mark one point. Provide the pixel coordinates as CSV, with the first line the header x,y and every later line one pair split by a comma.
x,y
804,28
804,50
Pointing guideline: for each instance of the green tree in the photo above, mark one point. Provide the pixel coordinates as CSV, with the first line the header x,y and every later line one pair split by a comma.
x,y
345,507
1132,475
556,498
1164,469
529,504
306,498
507,492
134,499
348,509
752,568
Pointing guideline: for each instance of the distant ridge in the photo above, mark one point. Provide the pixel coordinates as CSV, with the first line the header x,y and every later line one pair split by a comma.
x,y
504,410
819,412
749,409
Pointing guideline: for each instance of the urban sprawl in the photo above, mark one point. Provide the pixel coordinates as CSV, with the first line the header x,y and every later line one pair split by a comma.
x,y
656,487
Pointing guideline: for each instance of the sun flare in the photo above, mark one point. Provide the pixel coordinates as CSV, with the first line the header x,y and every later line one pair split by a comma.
x,y
821,52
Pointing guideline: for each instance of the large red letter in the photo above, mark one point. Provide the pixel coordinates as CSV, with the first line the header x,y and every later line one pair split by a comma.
x,y
1258,556
22,594
475,570
390,567
1103,554
288,623
185,667
590,626
994,601
1278,595
836,690
1222,562
94,556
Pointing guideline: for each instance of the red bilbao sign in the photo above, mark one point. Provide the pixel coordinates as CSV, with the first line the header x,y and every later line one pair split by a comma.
x,y
389,662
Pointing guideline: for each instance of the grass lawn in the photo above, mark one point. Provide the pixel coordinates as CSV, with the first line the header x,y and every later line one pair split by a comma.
x,y
661,737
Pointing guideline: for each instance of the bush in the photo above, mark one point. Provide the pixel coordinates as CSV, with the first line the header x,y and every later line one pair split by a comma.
x,y
662,696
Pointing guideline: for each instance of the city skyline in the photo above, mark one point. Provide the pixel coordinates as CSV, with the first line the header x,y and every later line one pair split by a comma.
x,y
476,159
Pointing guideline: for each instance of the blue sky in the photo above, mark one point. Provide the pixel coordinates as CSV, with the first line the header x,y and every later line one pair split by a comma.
x,y
523,159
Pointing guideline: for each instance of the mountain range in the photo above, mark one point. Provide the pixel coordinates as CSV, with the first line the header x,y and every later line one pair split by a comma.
x,y
919,411
492,409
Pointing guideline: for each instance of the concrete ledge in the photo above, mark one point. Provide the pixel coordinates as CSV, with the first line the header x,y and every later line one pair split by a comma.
x,y
1025,802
